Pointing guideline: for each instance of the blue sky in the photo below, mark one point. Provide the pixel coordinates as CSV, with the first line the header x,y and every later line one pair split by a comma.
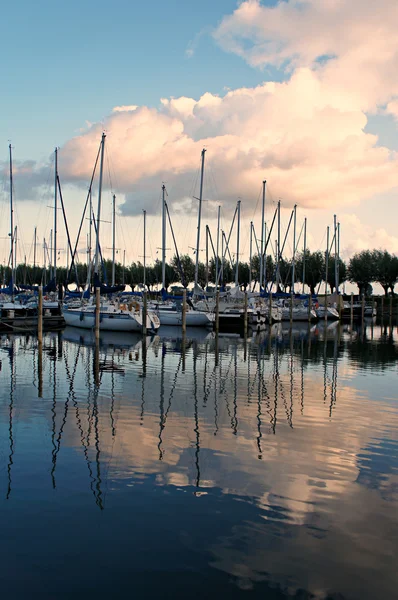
x,y
72,62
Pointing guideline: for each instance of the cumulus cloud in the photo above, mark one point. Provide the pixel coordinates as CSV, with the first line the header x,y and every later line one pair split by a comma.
x,y
305,135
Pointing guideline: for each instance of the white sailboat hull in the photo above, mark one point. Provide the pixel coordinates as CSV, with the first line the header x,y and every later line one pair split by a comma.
x,y
193,318
109,321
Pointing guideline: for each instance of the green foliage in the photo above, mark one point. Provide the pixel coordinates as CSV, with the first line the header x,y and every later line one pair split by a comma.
x,y
386,266
314,268
362,269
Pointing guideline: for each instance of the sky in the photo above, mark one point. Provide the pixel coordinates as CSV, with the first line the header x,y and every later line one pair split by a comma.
x,y
303,94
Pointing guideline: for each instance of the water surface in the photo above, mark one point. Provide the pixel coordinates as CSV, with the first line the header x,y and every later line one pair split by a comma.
x,y
200,468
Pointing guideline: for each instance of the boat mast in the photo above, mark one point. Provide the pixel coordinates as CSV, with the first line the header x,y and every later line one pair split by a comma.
x,y
336,266
294,248
113,237
34,252
15,252
199,217
218,242
278,244
262,236
326,263
338,258
11,223
237,247
97,245
144,282
305,250
250,255
163,238
55,212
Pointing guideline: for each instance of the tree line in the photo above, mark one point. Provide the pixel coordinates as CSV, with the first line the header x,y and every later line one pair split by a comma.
x,y
363,269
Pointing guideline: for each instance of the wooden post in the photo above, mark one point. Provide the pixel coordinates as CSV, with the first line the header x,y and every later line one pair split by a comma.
x,y
340,299
144,312
40,316
352,310
291,310
245,317
390,308
97,312
382,308
217,321
309,308
184,312
270,308
363,309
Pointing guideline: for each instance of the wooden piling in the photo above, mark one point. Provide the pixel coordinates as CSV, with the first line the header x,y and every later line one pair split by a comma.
x,y
144,312
309,308
270,308
245,317
382,308
363,309
352,311
97,312
184,312
40,316
217,321
291,311
390,308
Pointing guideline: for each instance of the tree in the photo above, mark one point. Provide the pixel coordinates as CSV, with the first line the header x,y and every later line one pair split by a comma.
x,y
362,269
342,275
386,269
314,268
187,266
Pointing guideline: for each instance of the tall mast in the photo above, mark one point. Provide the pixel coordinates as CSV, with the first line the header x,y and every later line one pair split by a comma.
x,y
89,231
124,263
55,212
338,258
265,257
199,216
15,251
163,238
262,236
207,257
34,251
222,259
294,248
113,237
144,282
44,260
97,244
50,258
326,261
305,250
11,221
278,244
218,242
237,248
336,266
250,255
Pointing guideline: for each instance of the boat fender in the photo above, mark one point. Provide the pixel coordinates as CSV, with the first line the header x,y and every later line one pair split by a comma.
x,y
136,306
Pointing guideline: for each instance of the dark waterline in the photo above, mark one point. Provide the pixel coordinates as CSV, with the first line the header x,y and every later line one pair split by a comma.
x,y
200,468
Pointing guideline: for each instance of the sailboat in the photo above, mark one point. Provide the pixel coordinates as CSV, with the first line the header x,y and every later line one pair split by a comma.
x,y
113,315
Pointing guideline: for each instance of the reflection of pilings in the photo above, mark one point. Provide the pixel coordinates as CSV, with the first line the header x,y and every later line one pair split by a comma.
x,y
302,378
57,444
234,422
54,414
333,392
85,442
196,416
10,422
143,377
276,386
97,449
40,370
183,350
161,405
215,407
324,370
259,398
96,362
290,417
113,429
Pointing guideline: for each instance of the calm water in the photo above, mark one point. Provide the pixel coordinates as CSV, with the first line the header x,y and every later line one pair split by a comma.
x,y
200,469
